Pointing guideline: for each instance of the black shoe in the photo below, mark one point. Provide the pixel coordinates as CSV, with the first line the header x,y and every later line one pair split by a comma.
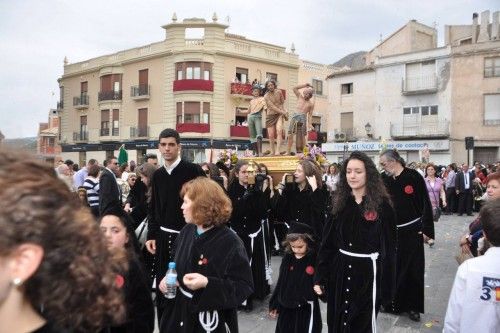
x,y
469,214
415,316
460,214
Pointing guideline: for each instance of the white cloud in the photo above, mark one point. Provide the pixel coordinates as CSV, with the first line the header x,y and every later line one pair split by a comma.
x,y
37,35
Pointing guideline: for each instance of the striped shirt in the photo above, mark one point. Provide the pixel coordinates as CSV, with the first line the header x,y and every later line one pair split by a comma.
x,y
92,187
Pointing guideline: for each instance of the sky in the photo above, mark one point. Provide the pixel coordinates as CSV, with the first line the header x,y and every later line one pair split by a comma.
x,y
35,35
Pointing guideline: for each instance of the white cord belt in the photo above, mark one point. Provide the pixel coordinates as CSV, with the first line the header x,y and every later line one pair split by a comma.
x,y
408,223
252,238
209,320
269,278
311,303
172,231
373,256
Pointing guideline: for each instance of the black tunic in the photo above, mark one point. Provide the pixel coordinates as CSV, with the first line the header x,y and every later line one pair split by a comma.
x,y
166,212
304,206
349,280
294,297
411,201
219,255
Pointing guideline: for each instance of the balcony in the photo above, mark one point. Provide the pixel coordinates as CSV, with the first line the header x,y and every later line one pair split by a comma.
x,y
110,96
82,136
419,85
437,129
239,131
243,90
48,150
104,132
115,131
192,127
345,134
81,102
201,85
140,132
140,92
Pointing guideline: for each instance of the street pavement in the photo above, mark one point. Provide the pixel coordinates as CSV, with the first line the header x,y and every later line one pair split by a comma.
x,y
440,272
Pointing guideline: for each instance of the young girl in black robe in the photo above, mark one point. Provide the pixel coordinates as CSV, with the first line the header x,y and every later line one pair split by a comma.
x,y
356,261
294,302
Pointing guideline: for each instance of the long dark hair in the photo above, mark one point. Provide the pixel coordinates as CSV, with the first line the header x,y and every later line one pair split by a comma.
x,y
311,169
234,172
376,192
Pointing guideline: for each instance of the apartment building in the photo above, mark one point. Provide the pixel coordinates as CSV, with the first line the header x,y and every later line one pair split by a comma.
x,y
197,80
48,148
409,94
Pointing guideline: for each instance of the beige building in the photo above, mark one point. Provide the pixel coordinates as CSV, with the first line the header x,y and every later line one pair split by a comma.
x,y
197,80
48,147
409,94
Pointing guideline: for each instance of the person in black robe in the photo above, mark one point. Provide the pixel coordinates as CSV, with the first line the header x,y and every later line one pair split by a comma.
x,y
213,272
165,216
249,209
414,225
294,301
356,261
303,200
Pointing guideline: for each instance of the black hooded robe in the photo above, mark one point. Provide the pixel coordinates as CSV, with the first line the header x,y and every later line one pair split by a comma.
x,y
219,255
294,297
349,280
411,201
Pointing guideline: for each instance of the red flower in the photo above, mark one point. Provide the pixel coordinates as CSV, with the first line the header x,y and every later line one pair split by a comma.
x,y
371,215
119,281
204,261
409,189
310,270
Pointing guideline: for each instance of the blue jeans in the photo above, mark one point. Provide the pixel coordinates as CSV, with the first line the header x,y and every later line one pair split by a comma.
x,y
255,126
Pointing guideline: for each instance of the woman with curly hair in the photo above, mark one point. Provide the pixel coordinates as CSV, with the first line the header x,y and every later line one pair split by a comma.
x,y
357,256
213,272
55,269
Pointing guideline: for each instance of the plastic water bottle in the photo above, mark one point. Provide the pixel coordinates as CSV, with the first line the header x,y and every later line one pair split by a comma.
x,y
171,281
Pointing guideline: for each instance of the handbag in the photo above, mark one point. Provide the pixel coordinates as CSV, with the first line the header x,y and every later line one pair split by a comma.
x,y
436,211
142,232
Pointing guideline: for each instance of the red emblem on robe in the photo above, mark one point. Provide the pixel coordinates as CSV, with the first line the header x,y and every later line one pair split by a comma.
x,y
119,281
371,215
310,270
409,189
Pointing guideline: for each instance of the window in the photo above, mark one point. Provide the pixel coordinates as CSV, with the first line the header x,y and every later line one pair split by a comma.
x,y
406,110
193,112
425,110
272,76
206,75
434,110
347,89
84,88
491,67
179,113
206,113
179,74
241,75
241,117
83,124
431,110
104,122
193,70
317,86
492,109
116,125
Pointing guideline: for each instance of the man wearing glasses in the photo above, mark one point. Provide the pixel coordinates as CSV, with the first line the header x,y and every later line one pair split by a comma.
x,y
109,191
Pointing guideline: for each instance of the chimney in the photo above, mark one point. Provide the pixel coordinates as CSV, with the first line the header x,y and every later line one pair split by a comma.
x,y
484,35
474,27
495,26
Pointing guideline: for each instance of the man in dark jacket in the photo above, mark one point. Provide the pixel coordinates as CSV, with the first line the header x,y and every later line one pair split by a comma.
x,y
463,187
109,191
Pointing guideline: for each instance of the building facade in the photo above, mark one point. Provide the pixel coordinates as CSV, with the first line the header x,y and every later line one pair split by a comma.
x,y
197,80
48,147
417,98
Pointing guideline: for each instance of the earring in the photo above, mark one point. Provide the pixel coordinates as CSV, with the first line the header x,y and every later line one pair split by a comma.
x,y
17,282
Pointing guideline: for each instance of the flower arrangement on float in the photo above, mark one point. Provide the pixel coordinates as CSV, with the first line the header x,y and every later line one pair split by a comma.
x,y
314,154
229,157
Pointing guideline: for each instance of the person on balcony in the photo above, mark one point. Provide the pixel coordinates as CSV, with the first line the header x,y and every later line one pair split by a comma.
x,y
299,121
275,115
257,107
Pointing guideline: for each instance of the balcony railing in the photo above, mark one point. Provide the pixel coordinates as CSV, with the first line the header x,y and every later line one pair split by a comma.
x,y
193,127
139,132
246,89
239,131
436,129
419,85
104,131
110,95
203,85
115,131
80,136
345,134
140,92
60,105
81,102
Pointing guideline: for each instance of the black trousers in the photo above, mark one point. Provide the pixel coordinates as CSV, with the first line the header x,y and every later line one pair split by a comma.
x,y
451,200
465,202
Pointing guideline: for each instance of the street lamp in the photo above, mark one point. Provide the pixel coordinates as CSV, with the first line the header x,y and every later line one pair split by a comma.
x,y
368,129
